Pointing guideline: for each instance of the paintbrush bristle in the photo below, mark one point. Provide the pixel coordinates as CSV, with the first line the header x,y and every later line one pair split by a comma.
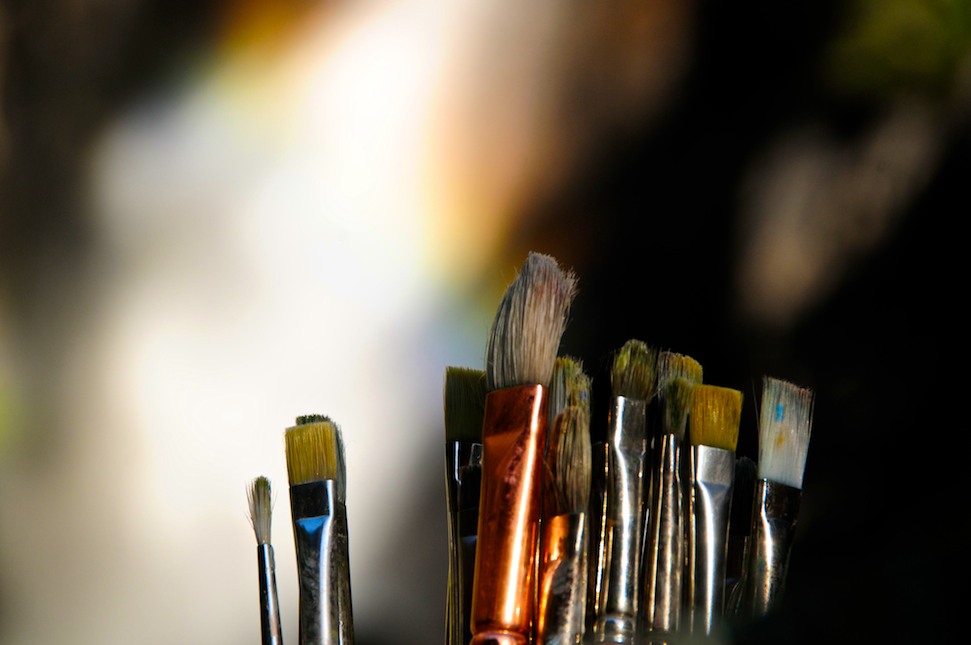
x,y
465,392
529,323
674,365
676,400
314,450
716,413
633,374
785,424
568,455
260,508
569,385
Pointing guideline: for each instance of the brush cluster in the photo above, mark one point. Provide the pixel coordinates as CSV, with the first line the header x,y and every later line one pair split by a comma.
x,y
555,539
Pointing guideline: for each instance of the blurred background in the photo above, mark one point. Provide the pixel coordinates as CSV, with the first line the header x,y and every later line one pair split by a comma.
x,y
217,216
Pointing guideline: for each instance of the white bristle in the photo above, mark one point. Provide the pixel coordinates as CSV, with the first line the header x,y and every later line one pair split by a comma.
x,y
260,508
785,424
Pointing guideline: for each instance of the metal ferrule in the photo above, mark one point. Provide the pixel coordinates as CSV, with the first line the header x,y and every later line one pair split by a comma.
x,y
599,546
504,586
320,536
563,580
463,468
269,601
711,474
775,512
663,560
626,455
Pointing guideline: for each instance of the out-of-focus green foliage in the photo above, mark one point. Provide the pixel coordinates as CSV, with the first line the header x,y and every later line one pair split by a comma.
x,y
890,46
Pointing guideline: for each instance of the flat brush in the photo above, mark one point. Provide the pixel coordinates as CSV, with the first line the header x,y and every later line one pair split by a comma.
x,y
632,379
260,509
566,494
664,563
520,357
713,426
785,424
317,474
465,390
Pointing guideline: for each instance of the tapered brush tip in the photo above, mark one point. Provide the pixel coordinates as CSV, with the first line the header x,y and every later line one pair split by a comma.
x,y
785,425
570,385
314,450
676,400
260,508
568,454
715,416
465,392
633,373
529,323
672,365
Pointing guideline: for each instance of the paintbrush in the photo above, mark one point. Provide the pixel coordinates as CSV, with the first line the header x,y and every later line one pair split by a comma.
x,y
664,560
260,509
521,352
785,424
566,493
632,379
713,426
465,390
317,474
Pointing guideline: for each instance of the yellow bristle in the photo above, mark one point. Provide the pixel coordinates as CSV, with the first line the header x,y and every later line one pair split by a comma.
x,y
313,450
715,416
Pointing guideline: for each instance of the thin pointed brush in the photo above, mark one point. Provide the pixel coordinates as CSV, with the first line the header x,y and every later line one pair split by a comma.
x,y
785,425
713,426
566,494
260,501
317,473
465,391
664,563
522,349
632,379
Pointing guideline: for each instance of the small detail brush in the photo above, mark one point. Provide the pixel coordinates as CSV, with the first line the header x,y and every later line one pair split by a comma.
x,y
566,493
785,424
632,379
465,390
664,563
317,473
520,357
713,426
260,509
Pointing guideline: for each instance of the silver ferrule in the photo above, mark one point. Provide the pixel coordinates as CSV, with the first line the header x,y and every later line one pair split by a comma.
x,y
663,560
775,512
599,535
626,458
320,536
463,475
269,601
711,474
563,580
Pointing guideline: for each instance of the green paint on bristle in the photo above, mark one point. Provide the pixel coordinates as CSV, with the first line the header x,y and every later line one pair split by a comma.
x,y
304,419
633,374
465,394
677,403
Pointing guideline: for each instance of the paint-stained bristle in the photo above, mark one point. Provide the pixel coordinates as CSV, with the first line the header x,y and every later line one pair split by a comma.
x,y
716,413
676,400
570,385
674,365
529,324
465,392
633,374
260,508
314,451
568,455
785,424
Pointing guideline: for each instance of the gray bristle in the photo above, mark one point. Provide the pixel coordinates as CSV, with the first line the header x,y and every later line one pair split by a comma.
x,y
633,374
529,323
672,365
785,425
568,455
465,392
570,385
260,508
676,399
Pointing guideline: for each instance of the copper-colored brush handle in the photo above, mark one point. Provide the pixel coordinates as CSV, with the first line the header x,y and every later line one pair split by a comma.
x,y
563,580
504,586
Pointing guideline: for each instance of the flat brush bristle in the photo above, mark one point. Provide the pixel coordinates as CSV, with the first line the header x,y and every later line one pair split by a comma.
x,y
465,391
674,365
314,451
529,323
677,403
715,416
633,374
260,508
785,424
